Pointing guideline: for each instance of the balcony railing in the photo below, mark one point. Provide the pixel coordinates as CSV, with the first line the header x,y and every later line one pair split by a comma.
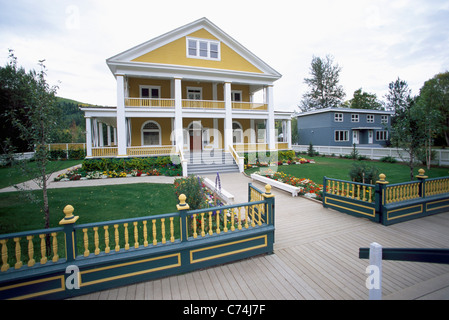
x,y
203,104
249,106
199,104
146,102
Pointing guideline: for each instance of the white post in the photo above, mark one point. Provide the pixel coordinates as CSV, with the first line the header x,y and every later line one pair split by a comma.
x,y
178,132
100,134
88,137
289,134
121,120
108,129
374,280
228,139
271,132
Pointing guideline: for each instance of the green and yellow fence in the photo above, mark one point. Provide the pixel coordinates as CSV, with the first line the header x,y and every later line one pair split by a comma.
x,y
42,264
388,203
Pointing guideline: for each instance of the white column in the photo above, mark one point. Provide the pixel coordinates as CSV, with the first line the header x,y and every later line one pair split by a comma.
x,y
271,132
88,137
178,116
121,120
217,134
115,136
289,134
228,116
108,130
100,134
252,132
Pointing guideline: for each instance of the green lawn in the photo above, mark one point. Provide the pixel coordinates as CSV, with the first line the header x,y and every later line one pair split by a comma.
x,y
338,168
10,176
92,204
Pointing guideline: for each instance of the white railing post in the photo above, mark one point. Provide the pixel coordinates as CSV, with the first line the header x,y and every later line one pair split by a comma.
x,y
374,280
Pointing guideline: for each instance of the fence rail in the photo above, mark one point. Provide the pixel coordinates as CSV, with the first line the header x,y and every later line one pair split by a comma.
x,y
113,253
388,203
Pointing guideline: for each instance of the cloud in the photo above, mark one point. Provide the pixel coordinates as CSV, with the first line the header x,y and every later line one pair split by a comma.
x,y
374,41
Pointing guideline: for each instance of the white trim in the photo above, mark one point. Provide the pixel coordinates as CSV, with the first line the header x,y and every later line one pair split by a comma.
x,y
233,92
345,135
150,130
338,117
355,117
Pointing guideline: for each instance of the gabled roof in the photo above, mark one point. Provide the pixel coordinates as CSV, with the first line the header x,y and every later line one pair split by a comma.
x,y
127,59
347,110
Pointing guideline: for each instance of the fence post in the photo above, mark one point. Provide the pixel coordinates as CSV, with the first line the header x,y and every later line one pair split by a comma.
x,y
422,183
269,198
380,196
324,191
374,280
182,208
70,237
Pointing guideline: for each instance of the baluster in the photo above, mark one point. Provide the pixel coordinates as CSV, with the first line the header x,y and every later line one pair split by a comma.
x,y
31,260
195,235
338,188
358,192
172,230
210,223
5,265
225,220
364,193
246,217
96,241
136,235
19,263
369,194
202,225
55,247
239,221
86,243
43,249
260,214
347,190
163,230
154,232
253,220
217,221
353,191
145,233
125,226
117,238
107,249
232,220
333,187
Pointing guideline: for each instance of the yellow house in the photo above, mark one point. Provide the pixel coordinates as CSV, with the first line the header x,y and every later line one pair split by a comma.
x,y
189,90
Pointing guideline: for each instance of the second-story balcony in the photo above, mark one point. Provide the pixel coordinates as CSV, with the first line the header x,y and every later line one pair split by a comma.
x,y
193,104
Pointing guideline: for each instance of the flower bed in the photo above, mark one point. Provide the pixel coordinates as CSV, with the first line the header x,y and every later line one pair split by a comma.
x,y
81,174
307,187
279,163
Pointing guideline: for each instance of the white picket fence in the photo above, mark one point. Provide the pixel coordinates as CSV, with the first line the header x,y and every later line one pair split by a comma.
x,y
442,158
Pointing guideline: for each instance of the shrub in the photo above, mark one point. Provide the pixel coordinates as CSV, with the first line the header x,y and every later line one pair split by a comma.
x,y
192,187
388,159
361,172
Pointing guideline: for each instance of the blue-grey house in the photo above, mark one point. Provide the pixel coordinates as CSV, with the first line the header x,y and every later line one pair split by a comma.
x,y
344,127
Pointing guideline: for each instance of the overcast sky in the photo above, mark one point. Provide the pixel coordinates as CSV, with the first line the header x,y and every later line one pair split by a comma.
x,y
374,42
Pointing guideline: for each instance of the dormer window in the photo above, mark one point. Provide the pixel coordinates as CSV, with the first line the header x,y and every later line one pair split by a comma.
x,y
203,49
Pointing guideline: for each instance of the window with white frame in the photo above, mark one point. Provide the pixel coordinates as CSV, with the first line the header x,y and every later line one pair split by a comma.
x,y
203,49
236,95
151,134
384,119
153,92
354,117
370,118
382,135
194,93
338,117
341,135
237,132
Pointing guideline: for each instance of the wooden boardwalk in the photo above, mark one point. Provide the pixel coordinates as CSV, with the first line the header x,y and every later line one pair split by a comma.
x,y
315,258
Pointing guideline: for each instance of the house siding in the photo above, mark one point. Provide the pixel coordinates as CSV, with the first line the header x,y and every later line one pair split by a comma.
x,y
319,128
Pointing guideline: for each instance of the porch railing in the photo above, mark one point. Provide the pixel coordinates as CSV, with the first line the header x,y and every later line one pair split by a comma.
x,y
203,104
149,102
150,151
100,152
119,252
249,106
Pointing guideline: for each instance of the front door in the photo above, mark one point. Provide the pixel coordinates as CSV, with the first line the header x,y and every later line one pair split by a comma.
x,y
370,136
355,137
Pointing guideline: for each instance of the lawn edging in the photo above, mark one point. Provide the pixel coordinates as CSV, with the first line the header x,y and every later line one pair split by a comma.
x,y
277,184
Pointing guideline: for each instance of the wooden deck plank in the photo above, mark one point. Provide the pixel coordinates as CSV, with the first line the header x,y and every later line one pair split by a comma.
x,y
315,257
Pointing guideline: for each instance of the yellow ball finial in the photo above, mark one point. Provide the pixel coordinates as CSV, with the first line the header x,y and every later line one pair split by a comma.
x,y
268,189
69,217
182,202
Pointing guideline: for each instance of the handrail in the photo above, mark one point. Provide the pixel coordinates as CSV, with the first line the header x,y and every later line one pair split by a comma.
x,y
150,102
239,160
429,255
